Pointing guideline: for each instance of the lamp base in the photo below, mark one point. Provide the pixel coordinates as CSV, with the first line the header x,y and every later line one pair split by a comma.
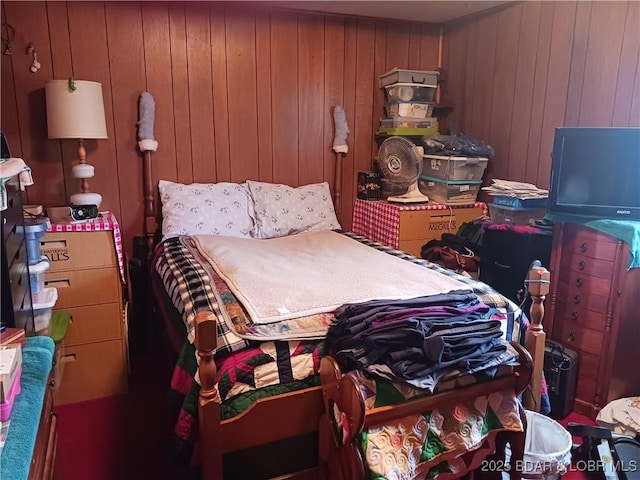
x,y
87,198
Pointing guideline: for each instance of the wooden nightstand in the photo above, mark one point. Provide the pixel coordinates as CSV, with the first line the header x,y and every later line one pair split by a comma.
x,y
409,227
86,270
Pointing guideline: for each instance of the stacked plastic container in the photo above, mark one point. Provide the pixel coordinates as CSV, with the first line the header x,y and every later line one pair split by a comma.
x,y
409,102
450,180
43,298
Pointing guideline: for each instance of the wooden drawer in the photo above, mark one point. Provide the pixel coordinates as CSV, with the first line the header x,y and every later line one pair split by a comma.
x,y
92,371
585,298
94,324
587,266
591,243
584,339
588,365
586,389
429,224
577,316
84,287
79,250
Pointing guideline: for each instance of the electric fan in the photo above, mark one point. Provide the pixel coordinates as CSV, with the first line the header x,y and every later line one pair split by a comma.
x,y
400,161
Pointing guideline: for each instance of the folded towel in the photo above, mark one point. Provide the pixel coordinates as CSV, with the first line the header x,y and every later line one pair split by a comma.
x,y
625,230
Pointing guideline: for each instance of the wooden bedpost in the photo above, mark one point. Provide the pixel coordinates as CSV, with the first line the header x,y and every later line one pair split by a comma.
x,y
337,184
209,399
150,218
538,287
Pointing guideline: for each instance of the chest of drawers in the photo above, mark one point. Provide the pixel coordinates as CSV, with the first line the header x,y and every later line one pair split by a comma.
x,y
409,227
592,311
84,269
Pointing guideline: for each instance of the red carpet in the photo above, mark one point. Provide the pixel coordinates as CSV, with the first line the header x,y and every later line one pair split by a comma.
x,y
574,473
120,437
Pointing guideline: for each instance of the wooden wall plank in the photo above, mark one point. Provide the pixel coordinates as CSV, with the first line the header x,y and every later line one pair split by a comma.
x,y
220,94
200,94
263,89
157,63
578,62
430,47
634,115
469,78
379,68
242,95
502,96
29,20
348,170
453,86
523,92
397,45
310,98
126,61
333,92
485,54
557,84
415,45
601,68
628,71
284,88
180,91
539,92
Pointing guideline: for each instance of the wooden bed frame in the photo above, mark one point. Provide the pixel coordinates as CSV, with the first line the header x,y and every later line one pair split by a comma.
x,y
302,412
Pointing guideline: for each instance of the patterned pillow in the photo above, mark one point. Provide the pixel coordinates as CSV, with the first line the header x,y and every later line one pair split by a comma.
x,y
206,208
283,210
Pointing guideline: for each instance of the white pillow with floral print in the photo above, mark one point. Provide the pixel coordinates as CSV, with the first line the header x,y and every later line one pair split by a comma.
x,y
206,209
283,210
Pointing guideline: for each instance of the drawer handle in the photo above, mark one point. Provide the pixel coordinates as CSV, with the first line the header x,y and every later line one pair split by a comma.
x,y
60,283
579,282
576,299
67,358
572,336
583,247
574,316
581,265
501,265
53,244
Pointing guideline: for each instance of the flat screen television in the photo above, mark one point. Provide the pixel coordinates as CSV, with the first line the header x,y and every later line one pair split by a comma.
x,y
595,173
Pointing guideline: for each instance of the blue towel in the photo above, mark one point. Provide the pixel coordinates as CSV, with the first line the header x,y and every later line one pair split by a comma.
x,y
626,230
37,358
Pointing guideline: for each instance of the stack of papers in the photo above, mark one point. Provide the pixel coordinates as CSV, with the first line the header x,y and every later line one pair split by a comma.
x,y
515,189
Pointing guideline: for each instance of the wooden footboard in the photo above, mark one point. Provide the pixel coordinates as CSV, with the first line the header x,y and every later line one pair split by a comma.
x,y
340,454
267,420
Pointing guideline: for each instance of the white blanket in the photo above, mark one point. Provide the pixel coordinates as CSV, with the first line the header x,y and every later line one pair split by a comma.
x,y
288,277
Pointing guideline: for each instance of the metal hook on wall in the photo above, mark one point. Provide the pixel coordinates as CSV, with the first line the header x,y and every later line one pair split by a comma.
x,y
31,50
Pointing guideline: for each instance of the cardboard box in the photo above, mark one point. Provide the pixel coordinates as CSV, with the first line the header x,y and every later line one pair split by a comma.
x,y
10,364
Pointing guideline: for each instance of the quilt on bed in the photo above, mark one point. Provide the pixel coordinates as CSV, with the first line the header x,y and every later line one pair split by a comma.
x,y
258,370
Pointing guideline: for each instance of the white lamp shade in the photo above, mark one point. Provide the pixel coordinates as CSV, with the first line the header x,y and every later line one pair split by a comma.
x,y
75,113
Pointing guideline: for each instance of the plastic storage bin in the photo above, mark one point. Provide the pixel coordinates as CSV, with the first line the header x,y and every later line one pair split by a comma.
x,y
397,75
516,202
410,92
409,109
408,122
515,216
36,275
454,168
43,303
449,192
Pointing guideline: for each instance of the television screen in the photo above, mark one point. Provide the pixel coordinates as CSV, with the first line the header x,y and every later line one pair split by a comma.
x,y
595,172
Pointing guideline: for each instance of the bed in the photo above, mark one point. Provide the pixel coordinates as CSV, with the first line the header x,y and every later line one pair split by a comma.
x,y
184,283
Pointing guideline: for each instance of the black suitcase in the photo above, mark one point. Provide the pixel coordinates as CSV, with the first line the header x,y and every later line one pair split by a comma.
x,y
561,374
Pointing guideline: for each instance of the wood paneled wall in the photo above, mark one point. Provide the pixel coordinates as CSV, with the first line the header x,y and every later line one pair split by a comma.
x,y
241,93
518,73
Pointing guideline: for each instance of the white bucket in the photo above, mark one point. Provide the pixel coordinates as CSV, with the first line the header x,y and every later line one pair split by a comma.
x,y
547,450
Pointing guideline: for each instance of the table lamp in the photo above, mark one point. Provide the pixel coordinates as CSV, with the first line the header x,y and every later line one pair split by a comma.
x,y
75,109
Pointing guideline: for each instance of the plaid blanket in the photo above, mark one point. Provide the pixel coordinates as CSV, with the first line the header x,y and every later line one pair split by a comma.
x,y
184,287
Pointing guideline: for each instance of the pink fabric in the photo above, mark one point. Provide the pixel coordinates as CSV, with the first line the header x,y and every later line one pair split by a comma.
x,y
380,221
105,221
